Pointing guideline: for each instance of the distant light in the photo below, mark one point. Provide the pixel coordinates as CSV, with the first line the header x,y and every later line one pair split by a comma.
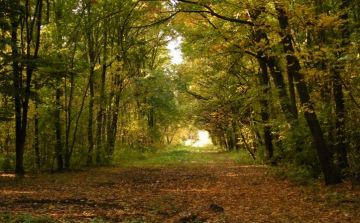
x,y
175,51
203,139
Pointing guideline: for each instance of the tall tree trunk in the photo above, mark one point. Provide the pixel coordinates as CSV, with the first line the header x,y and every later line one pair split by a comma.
x,y
36,136
100,117
264,102
328,168
91,56
100,123
22,95
340,146
58,147
112,127
288,105
68,122
91,116
19,168
294,110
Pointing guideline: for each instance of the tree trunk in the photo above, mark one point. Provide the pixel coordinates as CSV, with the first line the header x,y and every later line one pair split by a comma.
x,y
68,123
58,147
287,105
36,135
100,120
91,116
340,146
91,56
264,102
294,110
19,147
328,168
22,94
99,142
112,131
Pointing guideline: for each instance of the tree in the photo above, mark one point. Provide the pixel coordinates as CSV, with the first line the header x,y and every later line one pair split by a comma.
x,y
294,71
22,19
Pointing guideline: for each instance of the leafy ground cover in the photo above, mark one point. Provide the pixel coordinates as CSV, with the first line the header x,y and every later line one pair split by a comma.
x,y
175,186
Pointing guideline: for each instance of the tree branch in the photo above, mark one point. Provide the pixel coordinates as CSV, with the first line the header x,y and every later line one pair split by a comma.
x,y
196,95
213,13
155,23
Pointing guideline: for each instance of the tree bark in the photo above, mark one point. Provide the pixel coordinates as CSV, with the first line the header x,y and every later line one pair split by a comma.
x,y
287,105
19,168
264,102
36,134
68,123
22,94
58,147
91,56
340,146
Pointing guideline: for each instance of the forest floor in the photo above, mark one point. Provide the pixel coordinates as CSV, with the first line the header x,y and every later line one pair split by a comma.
x,y
213,191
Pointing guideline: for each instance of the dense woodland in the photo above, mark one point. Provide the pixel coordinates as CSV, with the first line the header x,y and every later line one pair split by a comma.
x,y
82,80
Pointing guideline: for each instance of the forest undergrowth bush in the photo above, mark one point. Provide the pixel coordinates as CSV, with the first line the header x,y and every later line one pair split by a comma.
x,y
165,155
303,175
242,157
302,167
6,163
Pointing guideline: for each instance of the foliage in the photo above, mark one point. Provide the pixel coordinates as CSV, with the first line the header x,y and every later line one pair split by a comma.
x,y
6,163
239,58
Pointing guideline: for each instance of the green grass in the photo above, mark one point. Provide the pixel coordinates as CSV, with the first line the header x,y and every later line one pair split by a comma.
x,y
182,154
243,157
171,155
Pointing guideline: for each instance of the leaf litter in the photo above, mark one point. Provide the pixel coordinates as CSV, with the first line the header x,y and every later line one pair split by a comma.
x,y
189,192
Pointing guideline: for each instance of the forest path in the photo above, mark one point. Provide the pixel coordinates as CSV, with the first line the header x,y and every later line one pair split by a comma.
x,y
216,191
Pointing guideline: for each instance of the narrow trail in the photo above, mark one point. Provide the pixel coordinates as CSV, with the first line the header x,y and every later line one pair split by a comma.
x,y
218,191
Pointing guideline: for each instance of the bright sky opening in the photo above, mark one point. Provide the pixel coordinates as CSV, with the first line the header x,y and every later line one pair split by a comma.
x,y
203,140
175,51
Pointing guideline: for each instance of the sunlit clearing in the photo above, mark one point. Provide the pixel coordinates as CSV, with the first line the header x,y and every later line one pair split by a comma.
x,y
203,140
175,51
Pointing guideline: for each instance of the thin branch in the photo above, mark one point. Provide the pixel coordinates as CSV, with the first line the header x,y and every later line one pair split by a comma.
x,y
213,13
196,95
351,96
208,20
105,17
155,23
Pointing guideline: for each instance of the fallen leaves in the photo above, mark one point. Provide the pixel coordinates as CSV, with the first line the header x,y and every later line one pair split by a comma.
x,y
193,192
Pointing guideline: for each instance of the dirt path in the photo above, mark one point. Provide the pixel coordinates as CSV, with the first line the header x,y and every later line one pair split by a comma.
x,y
193,192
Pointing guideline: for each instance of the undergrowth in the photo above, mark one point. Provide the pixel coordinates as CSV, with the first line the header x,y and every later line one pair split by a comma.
x,y
182,154
300,174
168,155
